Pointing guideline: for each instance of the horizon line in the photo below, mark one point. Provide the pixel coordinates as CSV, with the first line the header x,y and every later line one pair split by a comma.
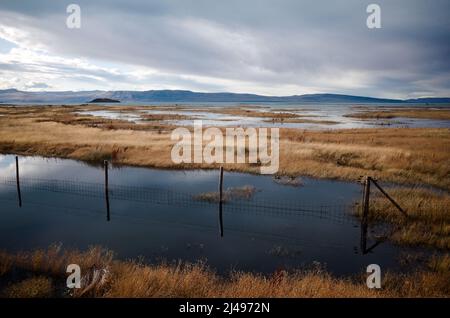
x,y
222,92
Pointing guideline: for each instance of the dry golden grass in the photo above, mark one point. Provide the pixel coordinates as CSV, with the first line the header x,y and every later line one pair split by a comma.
x,y
245,112
197,281
36,287
135,279
68,115
54,260
162,117
301,121
402,155
440,264
426,113
428,221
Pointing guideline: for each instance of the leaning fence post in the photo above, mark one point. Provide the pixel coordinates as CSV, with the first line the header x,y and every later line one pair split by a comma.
x,y
390,199
18,182
221,201
105,165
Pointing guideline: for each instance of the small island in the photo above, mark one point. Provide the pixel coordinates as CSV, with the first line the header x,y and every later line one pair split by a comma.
x,y
104,100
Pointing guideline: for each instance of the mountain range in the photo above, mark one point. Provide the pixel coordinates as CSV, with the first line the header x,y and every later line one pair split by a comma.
x,y
12,96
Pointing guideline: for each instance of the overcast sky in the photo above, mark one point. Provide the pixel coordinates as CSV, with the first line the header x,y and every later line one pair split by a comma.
x,y
255,46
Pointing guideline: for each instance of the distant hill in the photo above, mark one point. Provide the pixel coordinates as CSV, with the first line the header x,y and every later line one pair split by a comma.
x,y
104,100
172,96
431,100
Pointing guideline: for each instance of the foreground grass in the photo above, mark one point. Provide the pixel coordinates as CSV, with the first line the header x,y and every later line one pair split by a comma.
x,y
404,155
43,274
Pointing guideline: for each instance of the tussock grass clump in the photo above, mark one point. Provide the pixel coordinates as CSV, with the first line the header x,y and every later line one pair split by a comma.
x,y
234,193
440,263
6,262
54,259
36,287
288,180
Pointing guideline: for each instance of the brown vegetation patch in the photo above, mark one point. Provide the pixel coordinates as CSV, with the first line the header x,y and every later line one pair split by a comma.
x,y
426,113
136,279
234,193
36,287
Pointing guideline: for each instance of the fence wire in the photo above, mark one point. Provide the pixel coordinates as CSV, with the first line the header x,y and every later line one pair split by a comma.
x,y
338,213
144,221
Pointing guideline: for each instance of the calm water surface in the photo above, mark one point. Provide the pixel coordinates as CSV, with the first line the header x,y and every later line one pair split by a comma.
x,y
153,214
312,111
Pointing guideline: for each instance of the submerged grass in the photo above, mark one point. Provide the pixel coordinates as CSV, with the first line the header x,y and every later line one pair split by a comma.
x,y
230,194
46,276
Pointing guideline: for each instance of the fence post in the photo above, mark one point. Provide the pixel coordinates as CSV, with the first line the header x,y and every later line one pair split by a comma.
x,y
221,201
366,197
18,182
105,166
365,214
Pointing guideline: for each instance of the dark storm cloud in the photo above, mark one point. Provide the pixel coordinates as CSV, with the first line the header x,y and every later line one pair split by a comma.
x,y
290,45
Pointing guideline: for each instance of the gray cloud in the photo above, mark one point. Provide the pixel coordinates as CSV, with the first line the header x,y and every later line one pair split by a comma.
x,y
256,46
37,85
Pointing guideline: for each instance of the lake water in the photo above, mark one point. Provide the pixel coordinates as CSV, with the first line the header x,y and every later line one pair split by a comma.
x,y
154,214
311,111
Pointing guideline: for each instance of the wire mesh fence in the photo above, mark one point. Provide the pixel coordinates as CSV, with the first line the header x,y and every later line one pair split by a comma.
x,y
338,213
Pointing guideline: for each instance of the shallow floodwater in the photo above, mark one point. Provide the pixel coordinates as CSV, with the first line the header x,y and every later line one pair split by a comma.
x,y
311,111
153,213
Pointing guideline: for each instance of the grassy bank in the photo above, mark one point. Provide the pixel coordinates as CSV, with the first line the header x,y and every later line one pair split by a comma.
x,y
410,156
425,113
42,273
428,219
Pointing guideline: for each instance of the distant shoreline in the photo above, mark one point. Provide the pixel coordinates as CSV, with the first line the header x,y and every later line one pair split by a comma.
x,y
177,96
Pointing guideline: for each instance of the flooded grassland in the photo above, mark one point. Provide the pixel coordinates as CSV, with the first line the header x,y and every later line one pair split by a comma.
x,y
295,229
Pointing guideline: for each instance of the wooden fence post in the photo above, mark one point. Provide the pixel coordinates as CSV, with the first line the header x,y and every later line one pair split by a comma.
x,y
365,214
221,201
105,165
18,182
366,196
